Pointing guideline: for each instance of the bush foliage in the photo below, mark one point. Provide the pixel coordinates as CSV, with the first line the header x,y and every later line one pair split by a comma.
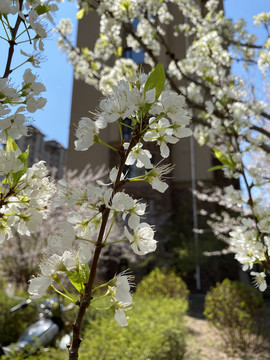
x,y
164,284
238,311
13,325
156,331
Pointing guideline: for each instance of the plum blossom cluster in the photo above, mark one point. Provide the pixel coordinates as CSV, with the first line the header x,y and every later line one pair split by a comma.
x,y
55,265
155,115
25,197
25,191
231,117
121,297
166,123
27,96
33,16
30,19
31,26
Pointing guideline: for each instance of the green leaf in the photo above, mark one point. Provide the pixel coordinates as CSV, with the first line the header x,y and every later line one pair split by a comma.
x,y
42,9
94,65
209,79
218,167
80,14
11,145
79,277
125,5
118,52
5,181
221,157
156,80
24,159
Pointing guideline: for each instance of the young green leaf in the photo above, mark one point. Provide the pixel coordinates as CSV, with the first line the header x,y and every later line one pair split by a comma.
x,y
156,80
11,145
221,157
218,167
79,277
80,14
24,159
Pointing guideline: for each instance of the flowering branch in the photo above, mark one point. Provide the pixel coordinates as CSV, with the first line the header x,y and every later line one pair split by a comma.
x,y
224,112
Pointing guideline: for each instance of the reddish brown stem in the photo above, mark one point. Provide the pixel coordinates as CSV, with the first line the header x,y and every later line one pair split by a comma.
x,y
86,299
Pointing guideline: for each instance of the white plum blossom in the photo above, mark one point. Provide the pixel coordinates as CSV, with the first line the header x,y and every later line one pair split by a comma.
x,y
5,225
229,119
154,177
135,213
117,106
122,288
113,176
119,202
13,126
65,27
67,194
248,250
29,222
259,280
7,7
83,227
55,265
173,106
121,297
120,316
64,240
37,171
84,253
139,99
39,285
124,203
27,193
86,133
233,196
142,241
162,133
9,162
140,156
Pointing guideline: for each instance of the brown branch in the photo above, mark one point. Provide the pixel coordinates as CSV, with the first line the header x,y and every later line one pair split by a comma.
x,y
261,130
237,43
265,114
86,299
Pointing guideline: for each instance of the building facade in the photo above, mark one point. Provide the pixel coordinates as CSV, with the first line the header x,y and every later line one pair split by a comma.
x,y
51,151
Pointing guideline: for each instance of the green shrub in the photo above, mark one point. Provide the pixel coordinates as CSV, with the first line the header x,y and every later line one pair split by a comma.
x,y
164,284
238,311
43,354
156,331
13,325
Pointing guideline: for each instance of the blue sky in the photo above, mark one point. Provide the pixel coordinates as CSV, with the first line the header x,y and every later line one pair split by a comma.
x,y
57,74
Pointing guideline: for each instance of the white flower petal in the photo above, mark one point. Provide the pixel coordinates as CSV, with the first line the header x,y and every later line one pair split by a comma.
x,y
85,253
120,317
